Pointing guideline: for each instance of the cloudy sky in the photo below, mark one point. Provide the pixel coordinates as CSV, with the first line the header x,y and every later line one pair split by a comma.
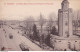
x,y
21,9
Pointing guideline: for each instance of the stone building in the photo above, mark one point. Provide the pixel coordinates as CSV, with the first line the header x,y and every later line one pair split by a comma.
x,y
66,40
65,19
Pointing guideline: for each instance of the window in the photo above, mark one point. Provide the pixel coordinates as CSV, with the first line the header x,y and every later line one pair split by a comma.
x,y
66,23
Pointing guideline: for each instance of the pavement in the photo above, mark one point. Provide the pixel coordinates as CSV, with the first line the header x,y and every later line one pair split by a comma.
x,y
13,44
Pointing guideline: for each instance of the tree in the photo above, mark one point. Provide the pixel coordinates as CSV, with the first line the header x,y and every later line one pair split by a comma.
x,y
35,28
76,20
50,24
29,25
47,40
51,21
42,21
1,23
54,31
35,33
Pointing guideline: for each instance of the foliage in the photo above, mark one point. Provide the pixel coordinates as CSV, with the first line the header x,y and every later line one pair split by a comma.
x,y
42,21
54,31
35,33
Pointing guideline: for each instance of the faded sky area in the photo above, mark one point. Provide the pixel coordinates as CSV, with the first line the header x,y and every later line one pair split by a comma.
x,y
21,9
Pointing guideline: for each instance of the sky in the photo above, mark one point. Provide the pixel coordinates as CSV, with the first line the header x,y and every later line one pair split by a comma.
x,y
22,9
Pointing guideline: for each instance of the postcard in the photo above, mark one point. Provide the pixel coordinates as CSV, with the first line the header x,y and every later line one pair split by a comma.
x,y
39,25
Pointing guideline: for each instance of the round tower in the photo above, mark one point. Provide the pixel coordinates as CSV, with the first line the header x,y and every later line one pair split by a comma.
x,y
65,4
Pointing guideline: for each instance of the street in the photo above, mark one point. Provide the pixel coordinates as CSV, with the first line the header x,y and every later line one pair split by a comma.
x,y
13,44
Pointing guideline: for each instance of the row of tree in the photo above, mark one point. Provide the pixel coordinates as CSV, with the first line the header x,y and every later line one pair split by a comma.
x,y
38,34
29,22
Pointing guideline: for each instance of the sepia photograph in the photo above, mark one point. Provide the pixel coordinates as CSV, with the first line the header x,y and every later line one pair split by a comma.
x,y
39,25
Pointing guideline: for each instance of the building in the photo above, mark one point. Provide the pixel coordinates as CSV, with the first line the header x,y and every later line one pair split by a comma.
x,y
66,40
65,19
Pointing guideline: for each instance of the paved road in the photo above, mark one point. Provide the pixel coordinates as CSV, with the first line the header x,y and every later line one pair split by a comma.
x,y
8,43
13,44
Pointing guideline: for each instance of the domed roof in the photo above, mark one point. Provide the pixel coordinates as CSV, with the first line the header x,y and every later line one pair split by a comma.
x,y
65,1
